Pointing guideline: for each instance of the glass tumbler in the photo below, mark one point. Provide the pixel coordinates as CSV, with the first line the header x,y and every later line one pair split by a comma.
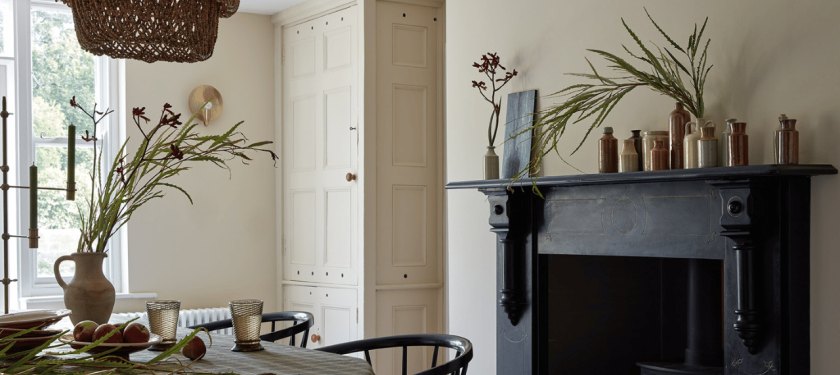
x,y
246,315
163,321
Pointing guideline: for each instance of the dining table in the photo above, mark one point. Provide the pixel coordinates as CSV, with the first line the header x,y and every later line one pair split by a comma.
x,y
277,358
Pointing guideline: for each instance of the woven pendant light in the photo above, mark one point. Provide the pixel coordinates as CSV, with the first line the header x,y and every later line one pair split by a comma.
x,y
150,30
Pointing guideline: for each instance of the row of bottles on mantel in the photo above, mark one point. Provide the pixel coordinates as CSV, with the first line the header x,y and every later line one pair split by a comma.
x,y
691,144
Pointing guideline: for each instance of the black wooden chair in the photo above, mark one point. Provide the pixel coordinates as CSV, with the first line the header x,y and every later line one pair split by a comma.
x,y
301,322
456,366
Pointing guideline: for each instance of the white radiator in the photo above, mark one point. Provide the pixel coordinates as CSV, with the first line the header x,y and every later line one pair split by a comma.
x,y
191,317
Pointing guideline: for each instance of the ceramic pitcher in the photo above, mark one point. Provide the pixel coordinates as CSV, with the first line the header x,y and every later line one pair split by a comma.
x,y
90,296
690,145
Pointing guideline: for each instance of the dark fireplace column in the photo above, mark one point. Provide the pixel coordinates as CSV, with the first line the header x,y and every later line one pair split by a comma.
x,y
705,308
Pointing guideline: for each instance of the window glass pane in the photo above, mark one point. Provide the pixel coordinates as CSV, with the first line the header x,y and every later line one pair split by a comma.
x,y
60,70
7,29
58,218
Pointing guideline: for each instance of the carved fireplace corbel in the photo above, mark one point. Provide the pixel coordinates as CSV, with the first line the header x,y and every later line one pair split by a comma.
x,y
736,221
512,299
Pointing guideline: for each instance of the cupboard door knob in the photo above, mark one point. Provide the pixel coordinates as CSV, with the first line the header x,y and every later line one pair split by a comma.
x,y
350,177
315,338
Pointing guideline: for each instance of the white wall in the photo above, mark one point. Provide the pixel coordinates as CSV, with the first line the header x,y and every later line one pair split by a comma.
x,y
223,247
770,56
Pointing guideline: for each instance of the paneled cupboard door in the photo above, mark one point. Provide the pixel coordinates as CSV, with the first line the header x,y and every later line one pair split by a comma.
x,y
320,146
408,156
334,309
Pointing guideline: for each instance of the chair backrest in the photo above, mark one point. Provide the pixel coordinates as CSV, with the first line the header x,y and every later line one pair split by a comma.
x,y
456,366
301,322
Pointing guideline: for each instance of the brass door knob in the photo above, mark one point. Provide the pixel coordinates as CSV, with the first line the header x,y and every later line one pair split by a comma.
x,y
350,177
315,338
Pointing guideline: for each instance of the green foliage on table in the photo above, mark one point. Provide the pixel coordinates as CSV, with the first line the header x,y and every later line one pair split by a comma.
x,y
52,358
167,149
656,68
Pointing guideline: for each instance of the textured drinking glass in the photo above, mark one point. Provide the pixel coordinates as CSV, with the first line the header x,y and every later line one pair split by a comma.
x,y
163,321
246,315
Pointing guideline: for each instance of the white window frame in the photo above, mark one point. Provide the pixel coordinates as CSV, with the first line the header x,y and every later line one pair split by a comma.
x,y
107,80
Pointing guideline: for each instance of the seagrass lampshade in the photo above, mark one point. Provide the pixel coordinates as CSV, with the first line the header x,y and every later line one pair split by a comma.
x,y
150,30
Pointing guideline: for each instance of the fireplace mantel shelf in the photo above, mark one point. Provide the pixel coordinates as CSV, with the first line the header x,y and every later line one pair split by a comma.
x,y
754,221
720,173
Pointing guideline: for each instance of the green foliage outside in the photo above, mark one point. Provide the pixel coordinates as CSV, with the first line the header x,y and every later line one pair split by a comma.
x,y
60,70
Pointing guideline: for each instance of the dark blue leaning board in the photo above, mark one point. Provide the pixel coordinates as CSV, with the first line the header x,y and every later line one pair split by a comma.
x,y
520,116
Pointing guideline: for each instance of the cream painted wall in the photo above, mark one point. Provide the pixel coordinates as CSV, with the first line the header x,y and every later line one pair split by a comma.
x,y
223,247
770,56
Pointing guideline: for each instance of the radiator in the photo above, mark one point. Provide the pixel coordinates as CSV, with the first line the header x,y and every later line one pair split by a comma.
x,y
191,317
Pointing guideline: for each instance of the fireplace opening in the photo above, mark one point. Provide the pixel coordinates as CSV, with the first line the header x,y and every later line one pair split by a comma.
x,y
609,315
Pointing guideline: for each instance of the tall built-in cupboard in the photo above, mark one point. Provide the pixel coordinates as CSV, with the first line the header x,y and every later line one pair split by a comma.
x,y
360,196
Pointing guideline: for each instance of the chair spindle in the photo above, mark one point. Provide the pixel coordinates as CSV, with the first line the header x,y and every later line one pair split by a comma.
x,y
405,361
434,357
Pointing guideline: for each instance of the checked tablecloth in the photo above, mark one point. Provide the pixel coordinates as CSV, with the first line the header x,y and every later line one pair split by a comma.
x,y
277,358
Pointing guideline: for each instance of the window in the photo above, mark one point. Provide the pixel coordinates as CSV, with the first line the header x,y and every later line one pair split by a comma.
x,y
51,69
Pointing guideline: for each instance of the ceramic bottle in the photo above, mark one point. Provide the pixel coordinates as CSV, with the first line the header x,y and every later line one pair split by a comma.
x,y
637,143
786,145
608,152
724,155
647,144
707,148
659,156
692,136
739,152
628,160
491,164
677,120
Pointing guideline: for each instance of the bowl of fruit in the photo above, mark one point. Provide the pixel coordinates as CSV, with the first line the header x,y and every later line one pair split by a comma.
x,y
132,338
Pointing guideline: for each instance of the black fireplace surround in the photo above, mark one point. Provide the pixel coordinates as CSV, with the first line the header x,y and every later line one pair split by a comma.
x,y
699,271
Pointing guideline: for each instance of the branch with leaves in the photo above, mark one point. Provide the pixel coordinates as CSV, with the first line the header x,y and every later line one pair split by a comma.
x,y
660,70
489,65
53,357
167,149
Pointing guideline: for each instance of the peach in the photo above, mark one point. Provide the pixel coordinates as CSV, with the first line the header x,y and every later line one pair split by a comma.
x,y
105,329
195,349
84,331
135,333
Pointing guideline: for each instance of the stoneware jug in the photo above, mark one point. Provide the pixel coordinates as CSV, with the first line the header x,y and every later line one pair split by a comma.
x,y
739,145
724,157
628,160
690,145
90,296
786,145
659,157
608,152
677,120
707,150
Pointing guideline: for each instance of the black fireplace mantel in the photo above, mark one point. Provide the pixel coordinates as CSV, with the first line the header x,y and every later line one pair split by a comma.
x,y
754,220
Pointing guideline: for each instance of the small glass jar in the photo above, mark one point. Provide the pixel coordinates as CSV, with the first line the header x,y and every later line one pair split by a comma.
x,y
648,138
